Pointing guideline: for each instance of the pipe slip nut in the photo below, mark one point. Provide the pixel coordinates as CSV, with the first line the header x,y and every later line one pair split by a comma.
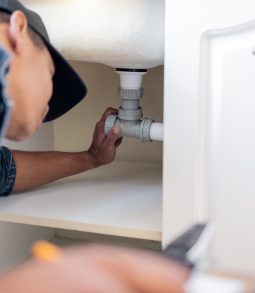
x,y
130,115
109,123
145,130
130,94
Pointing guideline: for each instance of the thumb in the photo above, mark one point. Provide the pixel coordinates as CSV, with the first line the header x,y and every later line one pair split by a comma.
x,y
113,136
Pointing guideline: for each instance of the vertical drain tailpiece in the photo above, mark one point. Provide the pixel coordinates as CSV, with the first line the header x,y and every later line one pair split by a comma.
x,y
130,116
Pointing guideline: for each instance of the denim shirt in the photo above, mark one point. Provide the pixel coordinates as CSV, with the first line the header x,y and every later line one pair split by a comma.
x,y
7,164
7,170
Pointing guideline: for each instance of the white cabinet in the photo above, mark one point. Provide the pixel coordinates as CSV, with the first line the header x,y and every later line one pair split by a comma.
x,y
207,96
122,199
125,198
227,157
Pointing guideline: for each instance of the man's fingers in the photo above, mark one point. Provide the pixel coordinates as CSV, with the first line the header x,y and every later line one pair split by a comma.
x,y
101,123
99,134
118,142
108,111
113,136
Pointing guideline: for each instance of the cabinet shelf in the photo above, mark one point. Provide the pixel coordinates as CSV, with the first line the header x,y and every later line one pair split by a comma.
x,y
122,199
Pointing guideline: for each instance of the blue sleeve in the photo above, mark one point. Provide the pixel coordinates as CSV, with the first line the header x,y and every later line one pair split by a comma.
x,y
8,171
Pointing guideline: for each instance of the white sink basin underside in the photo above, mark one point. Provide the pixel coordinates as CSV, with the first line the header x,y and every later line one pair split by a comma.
x,y
118,33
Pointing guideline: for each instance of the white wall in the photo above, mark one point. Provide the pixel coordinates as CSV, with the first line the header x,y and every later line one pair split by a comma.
x,y
42,140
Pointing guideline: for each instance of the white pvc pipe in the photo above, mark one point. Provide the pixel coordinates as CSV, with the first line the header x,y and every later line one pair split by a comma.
x,y
157,131
131,80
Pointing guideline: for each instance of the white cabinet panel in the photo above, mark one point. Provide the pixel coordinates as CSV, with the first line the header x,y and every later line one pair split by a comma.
x,y
186,23
228,143
122,199
16,242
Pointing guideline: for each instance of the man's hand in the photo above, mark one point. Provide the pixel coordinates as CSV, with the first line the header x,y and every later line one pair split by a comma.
x,y
103,148
97,269
37,168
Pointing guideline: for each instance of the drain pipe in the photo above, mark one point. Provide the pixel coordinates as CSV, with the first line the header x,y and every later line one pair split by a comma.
x,y
130,116
157,131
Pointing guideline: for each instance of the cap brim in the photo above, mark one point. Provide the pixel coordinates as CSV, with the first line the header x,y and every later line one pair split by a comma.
x,y
68,88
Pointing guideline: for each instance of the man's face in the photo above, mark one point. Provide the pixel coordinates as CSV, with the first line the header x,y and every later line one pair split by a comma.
x,y
29,85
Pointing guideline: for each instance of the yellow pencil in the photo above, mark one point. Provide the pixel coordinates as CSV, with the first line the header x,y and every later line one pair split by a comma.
x,y
45,251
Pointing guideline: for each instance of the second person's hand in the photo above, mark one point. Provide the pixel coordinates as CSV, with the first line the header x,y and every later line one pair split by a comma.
x,y
97,269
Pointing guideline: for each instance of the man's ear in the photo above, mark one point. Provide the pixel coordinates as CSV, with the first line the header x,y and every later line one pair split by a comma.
x,y
17,29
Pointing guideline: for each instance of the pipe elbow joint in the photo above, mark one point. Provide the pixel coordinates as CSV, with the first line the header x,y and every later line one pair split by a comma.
x,y
139,129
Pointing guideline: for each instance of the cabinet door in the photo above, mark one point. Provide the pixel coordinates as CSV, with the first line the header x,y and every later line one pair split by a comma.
x,y
186,23
227,165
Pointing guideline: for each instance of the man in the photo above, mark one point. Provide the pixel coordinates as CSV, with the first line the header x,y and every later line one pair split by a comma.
x,y
38,76
37,85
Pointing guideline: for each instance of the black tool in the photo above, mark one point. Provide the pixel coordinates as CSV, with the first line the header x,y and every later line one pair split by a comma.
x,y
188,248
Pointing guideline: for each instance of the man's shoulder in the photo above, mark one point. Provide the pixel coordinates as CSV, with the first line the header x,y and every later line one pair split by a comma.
x,y
5,152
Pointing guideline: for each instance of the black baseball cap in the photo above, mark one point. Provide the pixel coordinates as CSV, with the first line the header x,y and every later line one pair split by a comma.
x,y
68,88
